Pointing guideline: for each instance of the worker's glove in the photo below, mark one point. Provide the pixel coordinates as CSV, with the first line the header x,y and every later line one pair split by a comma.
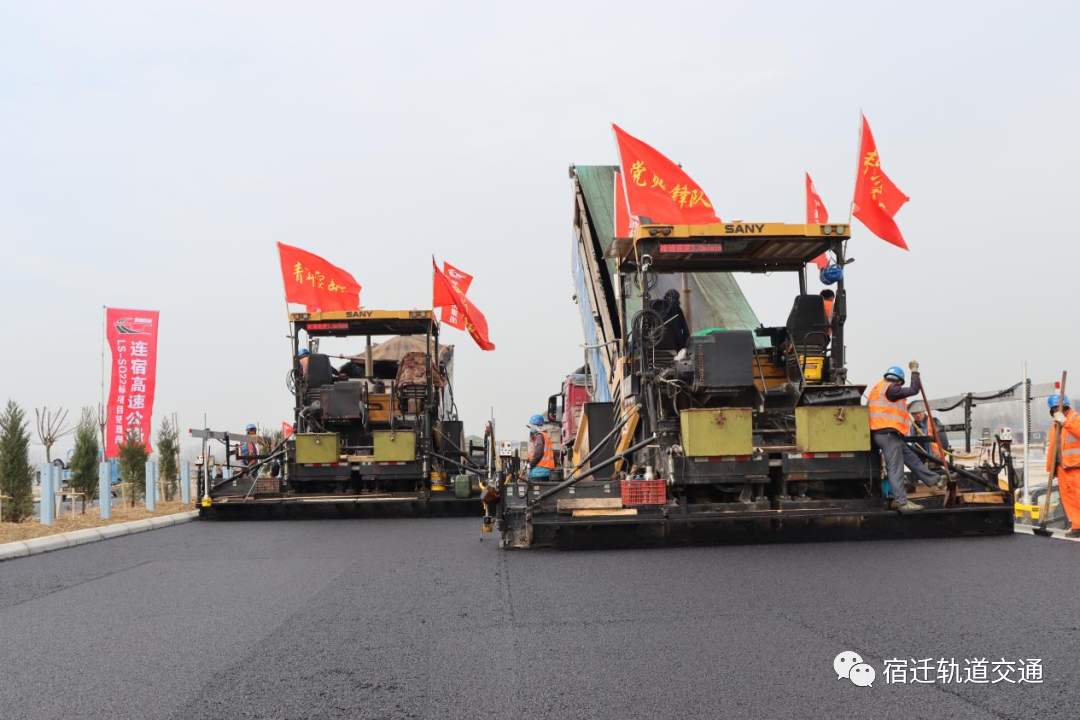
x,y
1059,417
913,366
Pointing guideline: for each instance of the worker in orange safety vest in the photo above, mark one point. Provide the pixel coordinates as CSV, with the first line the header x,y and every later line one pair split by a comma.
x,y
889,423
1066,422
541,450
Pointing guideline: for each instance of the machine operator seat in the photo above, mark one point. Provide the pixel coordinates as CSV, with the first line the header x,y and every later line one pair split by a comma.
x,y
319,371
807,324
808,331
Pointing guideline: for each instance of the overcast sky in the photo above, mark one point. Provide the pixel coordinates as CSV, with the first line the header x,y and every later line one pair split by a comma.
x,y
152,153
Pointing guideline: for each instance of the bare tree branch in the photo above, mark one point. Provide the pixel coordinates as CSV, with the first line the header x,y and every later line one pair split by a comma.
x,y
50,428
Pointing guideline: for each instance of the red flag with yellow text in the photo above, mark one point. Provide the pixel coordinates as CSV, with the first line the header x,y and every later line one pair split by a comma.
x,y
312,281
657,190
816,214
877,199
451,315
445,293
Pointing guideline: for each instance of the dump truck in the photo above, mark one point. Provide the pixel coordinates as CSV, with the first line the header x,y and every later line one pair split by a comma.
x,y
379,430
745,431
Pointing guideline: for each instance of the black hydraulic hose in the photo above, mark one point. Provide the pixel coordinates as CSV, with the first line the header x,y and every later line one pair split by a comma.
x,y
958,470
592,471
467,468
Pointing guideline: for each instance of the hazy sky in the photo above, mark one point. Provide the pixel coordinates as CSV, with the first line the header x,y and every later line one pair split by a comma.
x,y
151,153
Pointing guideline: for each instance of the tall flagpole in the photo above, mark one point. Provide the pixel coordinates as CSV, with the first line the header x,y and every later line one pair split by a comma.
x,y
858,150
101,407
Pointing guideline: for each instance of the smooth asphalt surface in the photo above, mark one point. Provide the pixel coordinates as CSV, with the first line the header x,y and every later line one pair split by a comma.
x,y
426,618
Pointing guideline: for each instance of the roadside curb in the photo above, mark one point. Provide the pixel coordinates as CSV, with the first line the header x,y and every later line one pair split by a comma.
x,y
25,548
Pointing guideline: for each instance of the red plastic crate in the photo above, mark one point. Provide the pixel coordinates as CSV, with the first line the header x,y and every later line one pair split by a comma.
x,y
643,492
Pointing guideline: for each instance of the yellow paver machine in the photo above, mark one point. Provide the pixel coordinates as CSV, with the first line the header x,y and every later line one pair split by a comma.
x,y
379,430
743,431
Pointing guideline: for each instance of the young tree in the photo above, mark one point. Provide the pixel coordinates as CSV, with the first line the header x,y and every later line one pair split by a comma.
x,y
132,456
16,475
50,428
270,438
167,448
84,460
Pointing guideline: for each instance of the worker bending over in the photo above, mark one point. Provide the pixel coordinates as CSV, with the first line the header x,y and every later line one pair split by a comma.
x,y
541,451
889,423
1067,422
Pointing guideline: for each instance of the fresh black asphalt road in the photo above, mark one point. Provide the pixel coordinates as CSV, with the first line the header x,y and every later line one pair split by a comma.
x,y
427,618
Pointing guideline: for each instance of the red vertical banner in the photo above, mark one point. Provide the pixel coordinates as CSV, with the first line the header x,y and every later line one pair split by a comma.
x,y
132,337
816,214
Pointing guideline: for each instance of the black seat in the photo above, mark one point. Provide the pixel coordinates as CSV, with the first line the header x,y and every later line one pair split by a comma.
x,y
807,324
319,371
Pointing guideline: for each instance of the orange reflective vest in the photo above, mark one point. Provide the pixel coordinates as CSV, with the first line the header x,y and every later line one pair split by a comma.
x,y
303,365
1070,443
548,459
885,414
246,450
828,309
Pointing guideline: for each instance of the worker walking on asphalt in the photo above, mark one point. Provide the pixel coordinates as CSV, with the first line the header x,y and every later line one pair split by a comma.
x,y
1067,422
889,423
541,451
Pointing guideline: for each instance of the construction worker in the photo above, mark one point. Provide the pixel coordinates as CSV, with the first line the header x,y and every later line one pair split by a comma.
x,y
889,423
671,313
302,358
541,451
250,448
829,297
1066,421
920,426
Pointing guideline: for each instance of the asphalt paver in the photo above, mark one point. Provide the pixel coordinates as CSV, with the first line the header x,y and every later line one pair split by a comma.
x,y
427,618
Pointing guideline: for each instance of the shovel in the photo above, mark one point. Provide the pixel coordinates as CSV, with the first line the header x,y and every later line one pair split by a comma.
x,y
1044,516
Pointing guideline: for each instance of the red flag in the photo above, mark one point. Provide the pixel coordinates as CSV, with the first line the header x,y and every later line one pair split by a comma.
x,y
312,281
624,224
816,214
286,429
132,336
877,199
450,313
657,189
446,293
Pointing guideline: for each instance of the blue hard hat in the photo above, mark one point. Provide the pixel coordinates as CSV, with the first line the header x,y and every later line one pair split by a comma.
x,y
831,274
1054,401
303,353
250,427
537,420
895,371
